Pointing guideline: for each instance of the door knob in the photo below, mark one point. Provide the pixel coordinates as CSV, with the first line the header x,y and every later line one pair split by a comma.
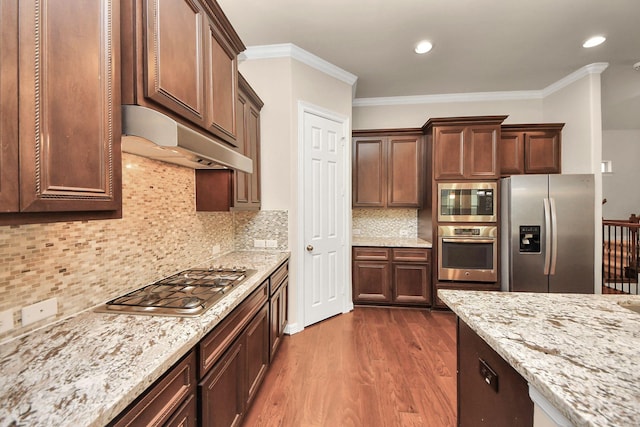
x,y
309,248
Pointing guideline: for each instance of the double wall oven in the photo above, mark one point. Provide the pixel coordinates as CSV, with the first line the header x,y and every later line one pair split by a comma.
x,y
467,232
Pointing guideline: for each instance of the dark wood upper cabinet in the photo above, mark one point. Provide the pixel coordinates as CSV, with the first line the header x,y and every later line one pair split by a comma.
x,y
9,168
531,148
388,168
68,119
247,191
464,147
369,172
173,70
180,58
223,189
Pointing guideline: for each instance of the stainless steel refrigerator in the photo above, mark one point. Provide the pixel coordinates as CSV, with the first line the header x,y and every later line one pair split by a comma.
x,y
547,233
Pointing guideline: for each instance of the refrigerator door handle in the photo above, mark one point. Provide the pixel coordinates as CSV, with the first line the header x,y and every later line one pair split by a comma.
x,y
547,235
554,236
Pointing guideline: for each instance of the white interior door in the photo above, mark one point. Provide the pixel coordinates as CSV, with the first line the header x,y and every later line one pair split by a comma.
x,y
324,217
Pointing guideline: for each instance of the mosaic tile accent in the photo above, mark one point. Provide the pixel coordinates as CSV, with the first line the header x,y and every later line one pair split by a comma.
x,y
385,222
84,263
262,225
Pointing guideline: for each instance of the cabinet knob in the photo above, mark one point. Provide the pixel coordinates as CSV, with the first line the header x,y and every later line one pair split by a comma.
x,y
309,248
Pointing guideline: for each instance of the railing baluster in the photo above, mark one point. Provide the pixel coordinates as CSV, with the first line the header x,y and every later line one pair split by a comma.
x,y
620,256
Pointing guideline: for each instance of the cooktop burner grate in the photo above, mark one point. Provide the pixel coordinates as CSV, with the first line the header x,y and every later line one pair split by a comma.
x,y
188,293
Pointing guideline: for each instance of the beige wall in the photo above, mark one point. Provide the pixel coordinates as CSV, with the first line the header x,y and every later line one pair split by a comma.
x,y
281,83
622,147
402,116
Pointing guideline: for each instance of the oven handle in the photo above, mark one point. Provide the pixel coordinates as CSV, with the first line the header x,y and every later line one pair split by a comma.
x,y
547,237
455,240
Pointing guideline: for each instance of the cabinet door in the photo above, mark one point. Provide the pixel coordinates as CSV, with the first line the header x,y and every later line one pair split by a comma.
x,y
449,152
369,172
221,392
404,167
490,391
174,57
278,316
9,172
481,152
69,113
222,85
257,352
371,281
248,185
411,283
242,179
511,153
542,152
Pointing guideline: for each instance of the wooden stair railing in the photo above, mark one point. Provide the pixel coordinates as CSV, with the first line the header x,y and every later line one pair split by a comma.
x,y
620,255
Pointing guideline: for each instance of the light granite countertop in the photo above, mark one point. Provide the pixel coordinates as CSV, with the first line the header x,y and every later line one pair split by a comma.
x,y
581,352
390,242
84,370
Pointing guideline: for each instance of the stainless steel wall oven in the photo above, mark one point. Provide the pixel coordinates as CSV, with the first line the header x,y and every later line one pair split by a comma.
x,y
468,253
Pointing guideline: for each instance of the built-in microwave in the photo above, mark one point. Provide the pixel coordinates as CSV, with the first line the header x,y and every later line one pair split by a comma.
x,y
467,201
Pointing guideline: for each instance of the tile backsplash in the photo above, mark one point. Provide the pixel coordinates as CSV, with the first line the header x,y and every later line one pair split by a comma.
x,y
84,263
373,222
261,225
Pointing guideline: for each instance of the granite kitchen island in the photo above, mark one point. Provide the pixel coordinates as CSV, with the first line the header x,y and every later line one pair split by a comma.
x,y
578,353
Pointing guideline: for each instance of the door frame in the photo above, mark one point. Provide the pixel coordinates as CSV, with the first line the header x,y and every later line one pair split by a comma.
x,y
347,301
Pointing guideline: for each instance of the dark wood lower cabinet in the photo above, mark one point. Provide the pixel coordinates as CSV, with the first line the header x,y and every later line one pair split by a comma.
x,y
170,401
216,388
490,392
228,389
278,316
221,391
371,281
411,283
257,352
391,276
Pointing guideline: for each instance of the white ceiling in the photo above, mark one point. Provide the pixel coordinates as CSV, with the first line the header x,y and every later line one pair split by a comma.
x,y
479,45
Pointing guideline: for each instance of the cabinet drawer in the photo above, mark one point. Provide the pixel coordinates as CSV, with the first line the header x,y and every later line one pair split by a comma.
x,y
411,254
217,341
373,254
163,399
277,278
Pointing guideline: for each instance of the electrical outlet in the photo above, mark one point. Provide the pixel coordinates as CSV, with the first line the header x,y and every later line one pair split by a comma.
x,y
404,232
6,321
38,311
258,243
215,250
356,232
272,243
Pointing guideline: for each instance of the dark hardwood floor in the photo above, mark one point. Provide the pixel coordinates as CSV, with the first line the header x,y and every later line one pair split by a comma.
x,y
371,367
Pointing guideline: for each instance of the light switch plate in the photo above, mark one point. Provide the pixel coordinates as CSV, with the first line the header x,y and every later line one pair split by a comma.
x,y
38,311
258,243
6,321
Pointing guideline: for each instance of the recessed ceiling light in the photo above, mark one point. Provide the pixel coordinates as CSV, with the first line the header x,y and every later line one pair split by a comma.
x,y
423,47
594,41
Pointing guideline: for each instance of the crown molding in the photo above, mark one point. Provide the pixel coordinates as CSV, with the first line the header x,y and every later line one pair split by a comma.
x,y
290,50
596,68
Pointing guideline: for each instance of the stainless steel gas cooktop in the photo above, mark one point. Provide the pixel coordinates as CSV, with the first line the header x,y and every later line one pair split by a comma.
x,y
188,293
